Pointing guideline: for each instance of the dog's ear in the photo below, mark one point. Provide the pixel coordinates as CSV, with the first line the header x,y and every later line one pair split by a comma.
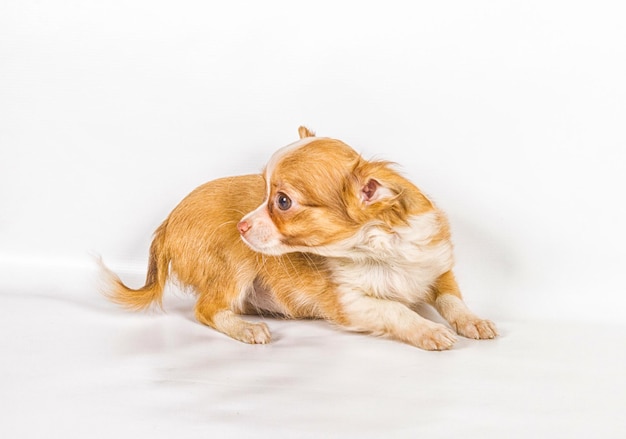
x,y
373,191
305,132
370,186
378,191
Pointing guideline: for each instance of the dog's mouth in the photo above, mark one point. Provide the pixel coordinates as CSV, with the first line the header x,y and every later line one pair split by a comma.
x,y
272,248
278,246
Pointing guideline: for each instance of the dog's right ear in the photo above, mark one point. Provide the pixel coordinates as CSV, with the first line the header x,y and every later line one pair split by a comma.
x,y
305,132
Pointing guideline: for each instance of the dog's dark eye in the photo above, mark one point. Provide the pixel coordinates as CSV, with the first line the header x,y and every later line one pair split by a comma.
x,y
283,201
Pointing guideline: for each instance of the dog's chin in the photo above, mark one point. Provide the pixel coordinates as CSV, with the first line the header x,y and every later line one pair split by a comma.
x,y
278,248
273,249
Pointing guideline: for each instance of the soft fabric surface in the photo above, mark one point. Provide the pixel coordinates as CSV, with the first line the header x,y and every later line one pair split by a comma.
x,y
77,366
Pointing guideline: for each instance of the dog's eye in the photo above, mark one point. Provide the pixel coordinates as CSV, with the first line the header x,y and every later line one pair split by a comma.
x,y
283,201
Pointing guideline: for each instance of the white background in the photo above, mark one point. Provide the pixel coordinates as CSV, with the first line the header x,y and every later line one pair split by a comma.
x,y
510,115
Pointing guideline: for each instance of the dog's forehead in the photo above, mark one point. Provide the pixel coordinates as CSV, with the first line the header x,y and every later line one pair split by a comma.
x,y
283,152
315,169
309,153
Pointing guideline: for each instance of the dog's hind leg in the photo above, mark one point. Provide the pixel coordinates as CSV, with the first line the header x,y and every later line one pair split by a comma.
x,y
218,313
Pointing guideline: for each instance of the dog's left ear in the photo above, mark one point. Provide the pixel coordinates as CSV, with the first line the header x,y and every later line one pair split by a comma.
x,y
305,132
373,191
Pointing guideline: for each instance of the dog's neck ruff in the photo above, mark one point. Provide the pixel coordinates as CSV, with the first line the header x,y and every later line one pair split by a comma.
x,y
375,243
402,265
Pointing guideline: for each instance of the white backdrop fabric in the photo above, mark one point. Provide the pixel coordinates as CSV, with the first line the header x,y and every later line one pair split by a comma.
x,y
510,115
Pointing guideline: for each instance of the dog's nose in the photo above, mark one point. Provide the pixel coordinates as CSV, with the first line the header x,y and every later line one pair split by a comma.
x,y
243,227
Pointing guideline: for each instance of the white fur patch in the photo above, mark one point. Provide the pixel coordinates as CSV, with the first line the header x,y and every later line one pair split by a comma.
x,y
400,266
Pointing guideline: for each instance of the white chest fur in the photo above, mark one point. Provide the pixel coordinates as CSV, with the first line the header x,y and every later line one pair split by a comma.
x,y
399,266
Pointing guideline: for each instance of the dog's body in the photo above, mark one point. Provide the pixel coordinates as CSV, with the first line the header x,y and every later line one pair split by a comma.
x,y
321,234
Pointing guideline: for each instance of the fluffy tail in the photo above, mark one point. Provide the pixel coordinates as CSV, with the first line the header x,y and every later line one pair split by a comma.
x,y
152,291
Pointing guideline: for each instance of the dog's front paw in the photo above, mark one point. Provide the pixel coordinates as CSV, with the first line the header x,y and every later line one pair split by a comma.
x,y
436,338
253,333
476,328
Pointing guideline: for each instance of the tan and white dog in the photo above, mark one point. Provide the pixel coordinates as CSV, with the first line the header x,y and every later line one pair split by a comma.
x,y
322,233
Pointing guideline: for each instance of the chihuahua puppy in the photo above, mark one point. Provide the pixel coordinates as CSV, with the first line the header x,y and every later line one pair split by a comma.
x,y
321,233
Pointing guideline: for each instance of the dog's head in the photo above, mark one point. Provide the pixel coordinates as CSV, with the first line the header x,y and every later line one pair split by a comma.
x,y
322,197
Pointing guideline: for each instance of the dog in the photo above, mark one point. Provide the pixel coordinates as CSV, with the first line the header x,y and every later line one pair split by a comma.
x,y
322,233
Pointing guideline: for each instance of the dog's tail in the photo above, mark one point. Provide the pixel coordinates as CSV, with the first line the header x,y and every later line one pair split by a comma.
x,y
152,291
